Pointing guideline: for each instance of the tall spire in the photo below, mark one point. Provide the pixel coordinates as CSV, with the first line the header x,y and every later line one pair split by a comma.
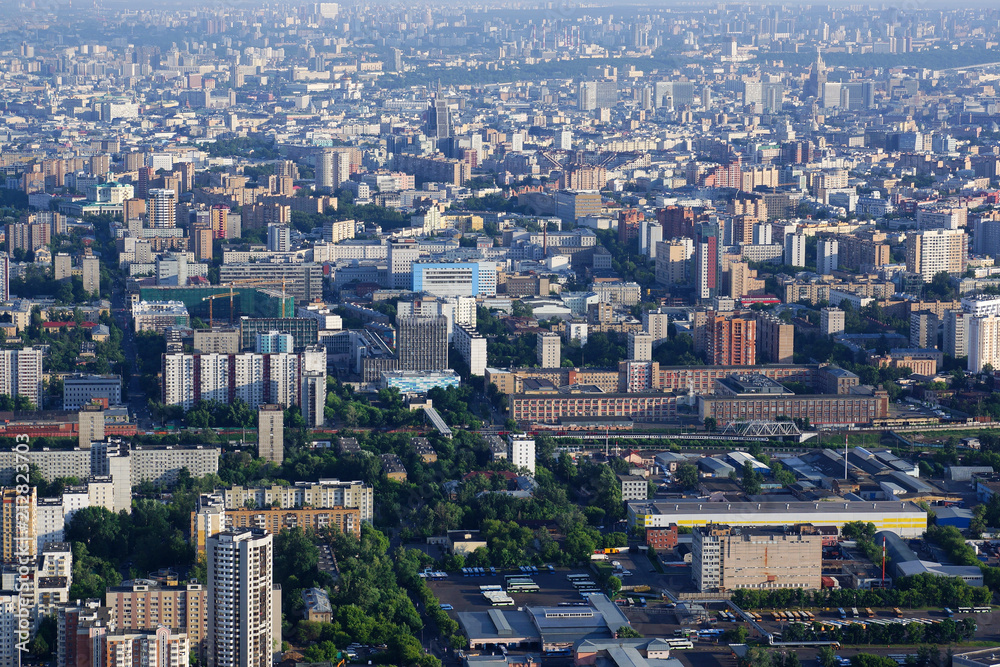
x,y
820,65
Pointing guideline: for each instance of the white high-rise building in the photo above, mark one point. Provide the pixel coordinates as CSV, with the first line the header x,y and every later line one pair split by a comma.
x,y
932,251
657,324
333,168
521,452
161,208
795,249
471,345
831,321
241,599
640,346
279,238
827,256
4,276
401,256
21,374
956,333
548,350
984,342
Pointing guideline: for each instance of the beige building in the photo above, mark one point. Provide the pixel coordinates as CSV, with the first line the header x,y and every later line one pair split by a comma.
x,y
673,261
18,527
548,350
831,321
146,605
743,280
226,341
91,428
775,340
935,250
322,494
271,433
725,558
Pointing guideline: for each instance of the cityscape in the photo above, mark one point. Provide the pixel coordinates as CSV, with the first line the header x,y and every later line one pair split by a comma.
x,y
539,334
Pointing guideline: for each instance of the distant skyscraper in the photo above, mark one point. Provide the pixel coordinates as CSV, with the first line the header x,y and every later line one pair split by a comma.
x,y
422,343
438,116
817,78
4,276
333,168
241,601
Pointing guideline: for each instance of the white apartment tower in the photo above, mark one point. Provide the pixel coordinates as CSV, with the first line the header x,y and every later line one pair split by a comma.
x,y
548,350
521,452
827,256
984,342
241,600
161,208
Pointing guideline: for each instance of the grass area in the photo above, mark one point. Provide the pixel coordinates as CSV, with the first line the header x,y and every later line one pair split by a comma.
x,y
654,561
942,436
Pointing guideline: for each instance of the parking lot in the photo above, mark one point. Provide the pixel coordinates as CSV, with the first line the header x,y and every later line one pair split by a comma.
x,y
463,593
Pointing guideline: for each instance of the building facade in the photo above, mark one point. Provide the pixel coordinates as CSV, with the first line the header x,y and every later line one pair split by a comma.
x,y
725,558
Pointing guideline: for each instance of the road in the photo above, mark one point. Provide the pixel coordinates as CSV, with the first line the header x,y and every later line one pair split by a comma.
x,y
138,402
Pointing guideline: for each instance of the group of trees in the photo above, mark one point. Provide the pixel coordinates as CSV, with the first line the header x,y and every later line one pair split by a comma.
x,y
350,409
946,632
922,590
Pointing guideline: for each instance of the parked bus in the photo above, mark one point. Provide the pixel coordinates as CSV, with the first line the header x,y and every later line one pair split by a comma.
x,y
680,643
577,577
869,612
491,587
854,612
948,612
523,587
842,612
898,612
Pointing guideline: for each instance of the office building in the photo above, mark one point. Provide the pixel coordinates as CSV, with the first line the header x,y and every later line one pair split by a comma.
x,y
271,433
401,256
325,493
550,408
984,342
79,390
161,208
956,333
730,341
640,346
241,600
225,341
335,231
438,117
521,452
548,349
455,279
279,238
633,487
795,250
855,408
422,343
923,330
906,519
827,256
302,281
91,425
725,558
471,346
831,321
933,251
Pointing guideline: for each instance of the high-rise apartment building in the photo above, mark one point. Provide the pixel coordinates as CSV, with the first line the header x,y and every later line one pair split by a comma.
x,y
521,452
956,333
91,425
18,527
923,329
422,343
91,271
161,208
241,600
708,270
795,249
28,236
333,168
471,345
827,256
657,324
324,493
984,342
640,346
21,374
218,215
274,342
279,238
731,341
831,321
4,277
935,250
401,256
548,349
146,605
201,237
271,433
775,340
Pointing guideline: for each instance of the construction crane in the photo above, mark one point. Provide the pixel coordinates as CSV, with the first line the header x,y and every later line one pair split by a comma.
x,y
212,298
242,283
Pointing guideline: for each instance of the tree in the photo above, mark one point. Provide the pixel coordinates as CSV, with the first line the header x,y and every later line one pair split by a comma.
x,y
614,586
628,632
687,475
869,660
736,635
711,424
828,657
